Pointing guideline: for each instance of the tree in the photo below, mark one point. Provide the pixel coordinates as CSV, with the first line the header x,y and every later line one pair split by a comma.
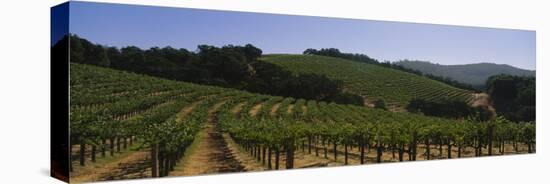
x,y
103,58
252,53
132,58
445,108
380,104
513,96
77,49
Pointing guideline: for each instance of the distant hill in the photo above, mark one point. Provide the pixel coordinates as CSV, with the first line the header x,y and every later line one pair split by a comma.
x,y
474,74
371,81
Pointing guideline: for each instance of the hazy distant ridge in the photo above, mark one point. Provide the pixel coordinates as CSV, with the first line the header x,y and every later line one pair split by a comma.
x,y
474,74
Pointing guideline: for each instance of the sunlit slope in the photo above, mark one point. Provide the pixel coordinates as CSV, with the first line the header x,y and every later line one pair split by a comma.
x,y
373,82
149,115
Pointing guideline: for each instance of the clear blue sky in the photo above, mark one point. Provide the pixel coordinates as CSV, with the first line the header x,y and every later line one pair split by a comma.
x,y
148,26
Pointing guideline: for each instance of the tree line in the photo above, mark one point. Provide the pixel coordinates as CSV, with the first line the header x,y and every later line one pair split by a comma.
x,y
333,52
513,97
229,66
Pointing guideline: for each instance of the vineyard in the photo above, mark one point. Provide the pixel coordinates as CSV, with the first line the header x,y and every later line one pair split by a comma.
x,y
371,81
125,125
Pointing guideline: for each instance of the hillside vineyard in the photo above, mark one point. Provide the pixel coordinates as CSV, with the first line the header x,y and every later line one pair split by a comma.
x,y
125,125
371,81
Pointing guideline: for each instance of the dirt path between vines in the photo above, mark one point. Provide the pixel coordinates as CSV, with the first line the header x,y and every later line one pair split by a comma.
x,y
210,153
274,109
290,107
238,108
185,111
254,110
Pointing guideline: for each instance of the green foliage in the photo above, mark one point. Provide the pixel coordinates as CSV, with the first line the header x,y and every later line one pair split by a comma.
x,y
446,108
108,104
362,58
380,104
371,81
513,97
229,66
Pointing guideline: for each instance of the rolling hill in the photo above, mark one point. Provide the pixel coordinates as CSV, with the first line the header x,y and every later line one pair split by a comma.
x,y
474,74
373,82
124,125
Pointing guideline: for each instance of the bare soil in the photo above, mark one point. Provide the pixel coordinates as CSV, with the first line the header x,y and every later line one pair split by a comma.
x,y
304,160
290,108
274,109
238,108
188,109
254,110
249,163
135,165
211,154
483,100
387,156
